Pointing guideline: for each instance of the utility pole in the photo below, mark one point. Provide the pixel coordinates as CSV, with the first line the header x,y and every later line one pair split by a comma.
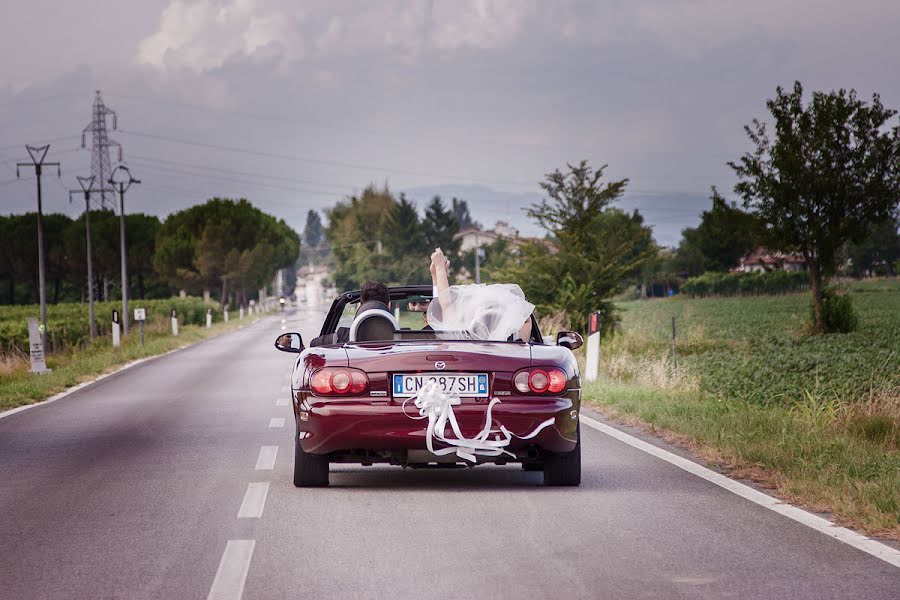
x,y
38,154
87,183
123,184
477,259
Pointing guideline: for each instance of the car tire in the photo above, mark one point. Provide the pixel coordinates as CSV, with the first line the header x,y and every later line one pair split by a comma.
x,y
564,469
310,470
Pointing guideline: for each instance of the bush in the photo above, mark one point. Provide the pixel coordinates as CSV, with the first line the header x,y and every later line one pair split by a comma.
x,y
837,312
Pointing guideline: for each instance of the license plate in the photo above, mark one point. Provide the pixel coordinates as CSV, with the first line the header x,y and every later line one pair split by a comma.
x,y
465,385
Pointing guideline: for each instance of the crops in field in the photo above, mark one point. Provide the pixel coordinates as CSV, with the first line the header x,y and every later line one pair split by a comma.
x,y
68,325
755,348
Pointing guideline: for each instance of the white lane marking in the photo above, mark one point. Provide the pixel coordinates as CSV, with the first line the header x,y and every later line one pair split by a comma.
x,y
232,573
282,402
858,541
266,460
276,423
254,500
284,388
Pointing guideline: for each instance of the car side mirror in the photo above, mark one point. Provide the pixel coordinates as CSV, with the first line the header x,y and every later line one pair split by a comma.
x,y
569,339
289,342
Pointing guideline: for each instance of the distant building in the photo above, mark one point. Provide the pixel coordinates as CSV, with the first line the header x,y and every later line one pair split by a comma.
x,y
761,259
472,237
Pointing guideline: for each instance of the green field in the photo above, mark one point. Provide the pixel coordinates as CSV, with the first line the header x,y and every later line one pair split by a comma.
x,y
816,417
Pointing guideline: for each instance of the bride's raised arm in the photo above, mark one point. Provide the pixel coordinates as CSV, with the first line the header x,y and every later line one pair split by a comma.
x,y
440,278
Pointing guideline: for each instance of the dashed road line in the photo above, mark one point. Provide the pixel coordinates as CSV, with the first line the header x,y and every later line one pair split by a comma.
x,y
266,460
276,423
842,534
231,576
254,500
282,402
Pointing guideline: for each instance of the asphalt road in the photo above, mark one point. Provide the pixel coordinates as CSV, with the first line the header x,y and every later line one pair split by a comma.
x,y
133,487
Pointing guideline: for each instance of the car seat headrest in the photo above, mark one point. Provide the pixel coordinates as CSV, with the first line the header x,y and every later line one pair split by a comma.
x,y
372,325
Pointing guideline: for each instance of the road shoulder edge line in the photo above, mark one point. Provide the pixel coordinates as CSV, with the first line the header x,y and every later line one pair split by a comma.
x,y
820,524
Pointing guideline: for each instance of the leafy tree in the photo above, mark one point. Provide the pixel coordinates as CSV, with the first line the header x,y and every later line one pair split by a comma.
x,y
877,252
224,243
724,235
357,233
593,248
830,172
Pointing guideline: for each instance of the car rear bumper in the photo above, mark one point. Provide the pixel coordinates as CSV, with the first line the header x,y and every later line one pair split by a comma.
x,y
328,427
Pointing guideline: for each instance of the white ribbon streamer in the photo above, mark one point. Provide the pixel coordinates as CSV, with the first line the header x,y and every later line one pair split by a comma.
x,y
436,405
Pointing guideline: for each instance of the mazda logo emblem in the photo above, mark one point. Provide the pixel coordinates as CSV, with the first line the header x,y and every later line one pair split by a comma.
x,y
440,365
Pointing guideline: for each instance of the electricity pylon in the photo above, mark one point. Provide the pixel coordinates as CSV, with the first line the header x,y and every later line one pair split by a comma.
x,y
100,166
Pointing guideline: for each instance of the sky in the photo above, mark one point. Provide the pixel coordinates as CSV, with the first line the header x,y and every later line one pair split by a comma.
x,y
296,105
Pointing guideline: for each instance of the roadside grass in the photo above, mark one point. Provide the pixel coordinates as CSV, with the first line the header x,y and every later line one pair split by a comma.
x,y
18,386
814,418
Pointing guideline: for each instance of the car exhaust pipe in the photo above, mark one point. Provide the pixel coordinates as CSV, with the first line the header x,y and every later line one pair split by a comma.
x,y
532,453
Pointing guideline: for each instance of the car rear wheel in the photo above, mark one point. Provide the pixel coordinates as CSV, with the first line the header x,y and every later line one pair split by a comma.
x,y
310,470
564,469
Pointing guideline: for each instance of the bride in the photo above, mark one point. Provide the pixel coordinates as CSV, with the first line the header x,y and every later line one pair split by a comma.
x,y
488,312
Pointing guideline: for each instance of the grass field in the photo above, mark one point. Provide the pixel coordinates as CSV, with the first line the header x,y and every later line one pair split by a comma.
x,y
815,417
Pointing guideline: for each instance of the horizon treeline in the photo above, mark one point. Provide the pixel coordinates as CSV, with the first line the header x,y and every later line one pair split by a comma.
x,y
227,247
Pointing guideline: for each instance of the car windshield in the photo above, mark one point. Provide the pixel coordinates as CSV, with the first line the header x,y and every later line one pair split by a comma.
x,y
410,312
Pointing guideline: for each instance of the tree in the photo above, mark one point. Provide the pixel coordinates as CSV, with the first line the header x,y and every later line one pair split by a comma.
x,y
313,249
224,243
592,251
830,172
357,235
460,210
725,234
438,228
877,252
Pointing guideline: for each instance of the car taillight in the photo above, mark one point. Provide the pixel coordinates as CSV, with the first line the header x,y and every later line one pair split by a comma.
x,y
540,381
337,381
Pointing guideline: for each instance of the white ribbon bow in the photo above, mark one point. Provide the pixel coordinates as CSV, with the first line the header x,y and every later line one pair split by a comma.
x,y
436,405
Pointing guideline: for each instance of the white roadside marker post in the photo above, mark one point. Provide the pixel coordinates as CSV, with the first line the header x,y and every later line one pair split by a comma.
x,y
208,318
116,335
225,314
241,313
36,347
139,315
174,322
592,361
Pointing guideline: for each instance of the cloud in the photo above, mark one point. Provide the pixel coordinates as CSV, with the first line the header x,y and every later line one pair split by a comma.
x,y
202,35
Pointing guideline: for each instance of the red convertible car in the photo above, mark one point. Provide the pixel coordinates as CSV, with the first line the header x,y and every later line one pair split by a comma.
x,y
354,387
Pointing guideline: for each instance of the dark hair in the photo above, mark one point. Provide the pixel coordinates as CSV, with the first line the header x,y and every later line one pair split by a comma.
x,y
374,291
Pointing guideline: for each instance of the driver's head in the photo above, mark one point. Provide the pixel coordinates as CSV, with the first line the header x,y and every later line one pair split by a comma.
x,y
374,290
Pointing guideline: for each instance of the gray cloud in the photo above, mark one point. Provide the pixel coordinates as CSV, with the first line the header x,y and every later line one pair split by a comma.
x,y
473,98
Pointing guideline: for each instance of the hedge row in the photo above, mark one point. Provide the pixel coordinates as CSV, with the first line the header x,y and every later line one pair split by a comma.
x,y
737,284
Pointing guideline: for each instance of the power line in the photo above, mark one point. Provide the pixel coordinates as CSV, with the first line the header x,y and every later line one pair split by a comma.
x,y
319,161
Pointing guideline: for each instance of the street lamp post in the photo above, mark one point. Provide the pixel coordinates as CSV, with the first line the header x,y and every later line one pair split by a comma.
x,y
87,184
38,154
123,184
